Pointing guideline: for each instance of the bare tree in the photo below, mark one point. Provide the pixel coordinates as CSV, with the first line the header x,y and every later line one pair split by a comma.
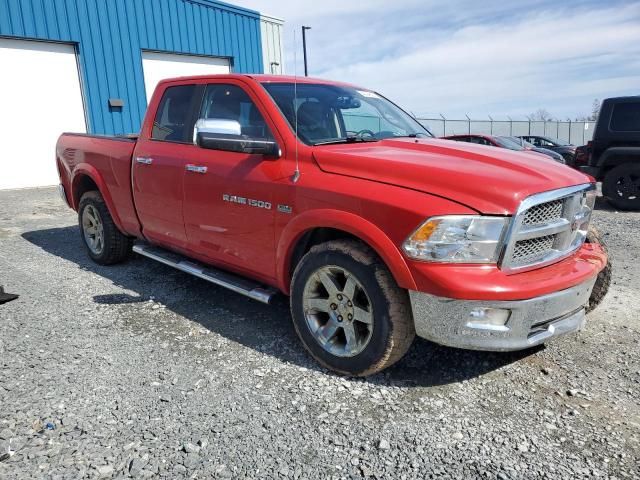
x,y
595,109
541,115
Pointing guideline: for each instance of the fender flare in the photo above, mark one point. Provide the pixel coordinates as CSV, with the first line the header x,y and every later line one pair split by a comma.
x,y
615,151
350,223
85,169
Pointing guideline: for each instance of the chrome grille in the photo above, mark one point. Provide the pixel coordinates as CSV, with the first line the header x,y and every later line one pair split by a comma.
x,y
528,251
543,213
547,227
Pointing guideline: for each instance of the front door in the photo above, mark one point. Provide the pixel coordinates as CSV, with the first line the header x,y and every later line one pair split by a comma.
x,y
159,167
229,209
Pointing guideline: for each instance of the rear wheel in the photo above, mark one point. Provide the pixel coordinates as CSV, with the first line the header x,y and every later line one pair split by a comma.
x,y
621,186
601,287
105,244
348,311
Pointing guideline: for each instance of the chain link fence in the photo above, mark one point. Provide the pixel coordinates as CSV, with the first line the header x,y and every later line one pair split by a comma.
x,y
577,133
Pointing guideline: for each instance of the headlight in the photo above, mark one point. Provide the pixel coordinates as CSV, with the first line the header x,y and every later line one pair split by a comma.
x,y
457,238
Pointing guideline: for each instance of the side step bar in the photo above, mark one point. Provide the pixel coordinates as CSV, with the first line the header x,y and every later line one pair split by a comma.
x,y
233,282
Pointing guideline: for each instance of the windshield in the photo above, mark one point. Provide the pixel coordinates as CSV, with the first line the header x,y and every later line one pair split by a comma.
x,y
337,114
507,142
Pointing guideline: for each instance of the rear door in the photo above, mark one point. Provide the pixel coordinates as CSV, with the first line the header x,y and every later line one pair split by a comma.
x,y
159,164
229,197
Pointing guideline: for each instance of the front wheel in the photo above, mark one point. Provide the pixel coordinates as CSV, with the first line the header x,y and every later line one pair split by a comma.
x,y
603,281
348,311
621,186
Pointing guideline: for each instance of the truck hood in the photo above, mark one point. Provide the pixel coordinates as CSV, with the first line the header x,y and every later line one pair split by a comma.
x,y
488,179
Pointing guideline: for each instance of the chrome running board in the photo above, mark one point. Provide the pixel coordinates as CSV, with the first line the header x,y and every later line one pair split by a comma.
x,y
227,280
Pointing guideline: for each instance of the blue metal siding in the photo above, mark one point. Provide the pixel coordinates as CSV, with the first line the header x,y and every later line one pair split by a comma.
x,y
111,34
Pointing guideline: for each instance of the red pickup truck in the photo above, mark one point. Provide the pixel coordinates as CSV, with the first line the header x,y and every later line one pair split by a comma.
x,y
335,196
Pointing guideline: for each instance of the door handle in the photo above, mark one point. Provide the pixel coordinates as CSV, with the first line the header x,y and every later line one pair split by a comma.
x,y
196,168
144,160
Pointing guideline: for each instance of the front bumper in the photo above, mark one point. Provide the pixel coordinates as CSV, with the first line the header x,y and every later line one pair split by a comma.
x,y
531,322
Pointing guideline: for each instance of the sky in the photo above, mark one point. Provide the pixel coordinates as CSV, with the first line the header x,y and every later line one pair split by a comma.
x,y
469,57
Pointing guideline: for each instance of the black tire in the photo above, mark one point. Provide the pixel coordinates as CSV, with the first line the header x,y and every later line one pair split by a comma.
x,y
391,330
116,246
601,287
621,186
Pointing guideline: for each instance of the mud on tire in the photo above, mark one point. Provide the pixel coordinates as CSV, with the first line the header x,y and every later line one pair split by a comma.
x,y
363,281
94,219
601,287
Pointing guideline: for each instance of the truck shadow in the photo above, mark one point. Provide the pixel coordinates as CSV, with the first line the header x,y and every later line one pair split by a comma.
x,y
264,328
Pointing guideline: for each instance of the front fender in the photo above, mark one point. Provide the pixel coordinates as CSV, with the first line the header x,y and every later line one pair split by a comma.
x,y
347,222
84,169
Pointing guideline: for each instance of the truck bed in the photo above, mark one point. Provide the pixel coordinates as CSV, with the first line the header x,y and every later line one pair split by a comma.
x,y
80,156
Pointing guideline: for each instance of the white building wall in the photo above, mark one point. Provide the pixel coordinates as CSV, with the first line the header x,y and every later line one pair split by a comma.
x,y
271,30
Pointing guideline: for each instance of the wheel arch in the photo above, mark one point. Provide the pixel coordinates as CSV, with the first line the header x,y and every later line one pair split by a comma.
x,y
312,228
86,178
613,157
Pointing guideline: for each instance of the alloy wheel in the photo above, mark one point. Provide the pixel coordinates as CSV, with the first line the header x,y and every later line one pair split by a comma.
x,y
93,229
338,311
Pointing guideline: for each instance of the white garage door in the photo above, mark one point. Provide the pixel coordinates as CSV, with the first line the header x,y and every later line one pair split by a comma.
x,y
158,66
40,98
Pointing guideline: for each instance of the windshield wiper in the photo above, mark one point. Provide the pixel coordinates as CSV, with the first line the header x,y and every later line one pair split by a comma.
x,y
347,140
412,135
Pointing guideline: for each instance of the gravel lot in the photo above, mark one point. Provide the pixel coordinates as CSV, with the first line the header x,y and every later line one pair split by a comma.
x,y
140,370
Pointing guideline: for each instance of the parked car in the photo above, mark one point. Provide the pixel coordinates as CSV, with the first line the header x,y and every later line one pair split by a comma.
x,y
549,153
333,195
495,141
566,149
613,155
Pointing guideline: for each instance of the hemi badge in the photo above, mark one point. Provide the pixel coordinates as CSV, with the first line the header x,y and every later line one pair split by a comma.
x,y
284,208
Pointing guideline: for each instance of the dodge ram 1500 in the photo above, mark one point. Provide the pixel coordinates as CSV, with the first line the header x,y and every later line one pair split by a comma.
x,y
335,196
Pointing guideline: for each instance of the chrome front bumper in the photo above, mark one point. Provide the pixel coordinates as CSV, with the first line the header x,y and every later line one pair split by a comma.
x,y
531,322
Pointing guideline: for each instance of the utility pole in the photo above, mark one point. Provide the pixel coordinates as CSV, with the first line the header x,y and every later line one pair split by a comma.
x,y
304,49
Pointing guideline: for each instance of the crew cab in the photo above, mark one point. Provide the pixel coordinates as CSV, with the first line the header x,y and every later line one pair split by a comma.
x,y
333,195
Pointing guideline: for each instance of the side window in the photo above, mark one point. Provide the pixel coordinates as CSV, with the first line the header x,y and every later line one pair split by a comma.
x,y
479,141
172,122
625,117
229,102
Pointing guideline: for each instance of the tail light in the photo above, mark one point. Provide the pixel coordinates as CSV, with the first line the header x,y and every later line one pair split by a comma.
x,y
582,155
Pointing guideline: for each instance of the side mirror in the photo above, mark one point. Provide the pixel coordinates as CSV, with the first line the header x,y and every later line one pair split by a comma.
x,y
226,135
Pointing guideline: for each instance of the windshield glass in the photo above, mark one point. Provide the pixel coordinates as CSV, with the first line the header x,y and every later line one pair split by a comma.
x,y
338,114
506,142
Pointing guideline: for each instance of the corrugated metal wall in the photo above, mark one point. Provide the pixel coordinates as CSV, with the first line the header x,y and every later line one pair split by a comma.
x,y
110,34
272,48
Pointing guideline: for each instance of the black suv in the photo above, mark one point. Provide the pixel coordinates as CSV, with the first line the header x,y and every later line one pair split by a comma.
x,y
613,156
565,149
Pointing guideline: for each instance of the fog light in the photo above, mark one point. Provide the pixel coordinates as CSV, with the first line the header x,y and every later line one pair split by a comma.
x,y
489,318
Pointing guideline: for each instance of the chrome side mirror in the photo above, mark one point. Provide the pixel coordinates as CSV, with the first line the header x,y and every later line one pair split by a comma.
x,y
216,126
226,135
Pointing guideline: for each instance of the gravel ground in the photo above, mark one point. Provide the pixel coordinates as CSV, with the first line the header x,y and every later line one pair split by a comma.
x,y
140,370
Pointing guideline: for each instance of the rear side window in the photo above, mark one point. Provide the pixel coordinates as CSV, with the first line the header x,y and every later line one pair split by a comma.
x,y
625,117
173,118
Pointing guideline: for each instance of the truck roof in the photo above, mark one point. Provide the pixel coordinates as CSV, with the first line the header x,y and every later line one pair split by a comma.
x,y
262,78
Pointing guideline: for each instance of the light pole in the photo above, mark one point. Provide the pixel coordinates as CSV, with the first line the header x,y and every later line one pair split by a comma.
x,y
304,48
